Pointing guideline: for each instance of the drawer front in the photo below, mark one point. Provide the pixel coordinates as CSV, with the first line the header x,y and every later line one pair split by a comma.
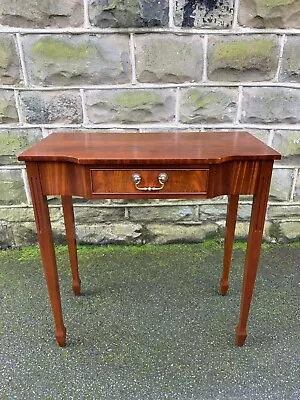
x,y
130,181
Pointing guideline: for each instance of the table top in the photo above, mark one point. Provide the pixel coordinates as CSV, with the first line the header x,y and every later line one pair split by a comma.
x,y
149,148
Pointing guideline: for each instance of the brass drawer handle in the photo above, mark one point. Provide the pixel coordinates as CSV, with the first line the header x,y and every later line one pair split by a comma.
x,y
162,179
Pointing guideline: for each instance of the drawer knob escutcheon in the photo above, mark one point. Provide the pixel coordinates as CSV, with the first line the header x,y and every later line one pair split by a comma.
x,y
162,179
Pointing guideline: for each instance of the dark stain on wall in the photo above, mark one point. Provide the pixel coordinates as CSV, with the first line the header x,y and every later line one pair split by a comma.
x,y
191,5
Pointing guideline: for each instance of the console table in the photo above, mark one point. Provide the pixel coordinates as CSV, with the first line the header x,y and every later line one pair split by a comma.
x,y
152,166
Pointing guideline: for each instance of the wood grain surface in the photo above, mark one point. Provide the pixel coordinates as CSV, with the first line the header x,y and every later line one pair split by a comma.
x,y
148,148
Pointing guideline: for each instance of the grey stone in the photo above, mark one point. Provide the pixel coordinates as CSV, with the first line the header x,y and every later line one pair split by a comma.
x,y
25,214
41,13
287,143
163,213
126,14
281,183
217,14
213,212
116,233
168,129
297,188
260,134
92,130
244,212
169,58
283,212
130,106
271,105
13,141
290,230
24,234
8,110
217,212
242,230
242,57
11,187
51,107
198,105
77,59
163,234
84,215
9,60
6,236
269,13
290,66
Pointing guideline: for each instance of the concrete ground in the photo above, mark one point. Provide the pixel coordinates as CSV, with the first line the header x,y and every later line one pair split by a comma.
x,y
150,324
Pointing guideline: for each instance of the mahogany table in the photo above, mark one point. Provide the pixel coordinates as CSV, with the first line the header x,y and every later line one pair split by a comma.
x,y
152,166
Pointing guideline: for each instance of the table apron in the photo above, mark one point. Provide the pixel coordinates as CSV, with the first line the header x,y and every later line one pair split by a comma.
x,y
227,178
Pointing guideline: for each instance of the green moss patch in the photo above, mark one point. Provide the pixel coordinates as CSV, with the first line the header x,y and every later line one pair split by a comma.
x,y
9,144
243,51
57,50
133,99
5,54
201,100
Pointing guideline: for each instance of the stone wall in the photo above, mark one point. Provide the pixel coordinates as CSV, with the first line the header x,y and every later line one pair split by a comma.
x,y
146,66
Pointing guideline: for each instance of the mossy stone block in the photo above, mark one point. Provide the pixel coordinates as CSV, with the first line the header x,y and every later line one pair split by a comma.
x,y
271,105
213,212
13,141
6,236
290,67
8,110
193,233
130,106
278,211
290,230
281,184
287,142
198,105
9,61
16,214
77,59
85,215
113,233
51,107
176,213
260,134
25,214
269,13
41,13
245,57
11,187
129,13
169,58
297,188
216,14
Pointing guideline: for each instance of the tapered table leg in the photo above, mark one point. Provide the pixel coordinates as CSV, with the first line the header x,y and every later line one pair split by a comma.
x,y
233,202
45,238
259,208
71,240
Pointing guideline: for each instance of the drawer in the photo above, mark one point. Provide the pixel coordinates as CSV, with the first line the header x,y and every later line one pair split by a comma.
x,y
149,181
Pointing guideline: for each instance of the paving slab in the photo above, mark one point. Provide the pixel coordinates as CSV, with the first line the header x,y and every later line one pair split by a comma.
x,y
150,324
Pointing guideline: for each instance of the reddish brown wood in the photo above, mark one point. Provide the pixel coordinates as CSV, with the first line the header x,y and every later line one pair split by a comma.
x,y
44,232
149,148
71,240
233,177
233,202
65,179
257,221
180,181
100,166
